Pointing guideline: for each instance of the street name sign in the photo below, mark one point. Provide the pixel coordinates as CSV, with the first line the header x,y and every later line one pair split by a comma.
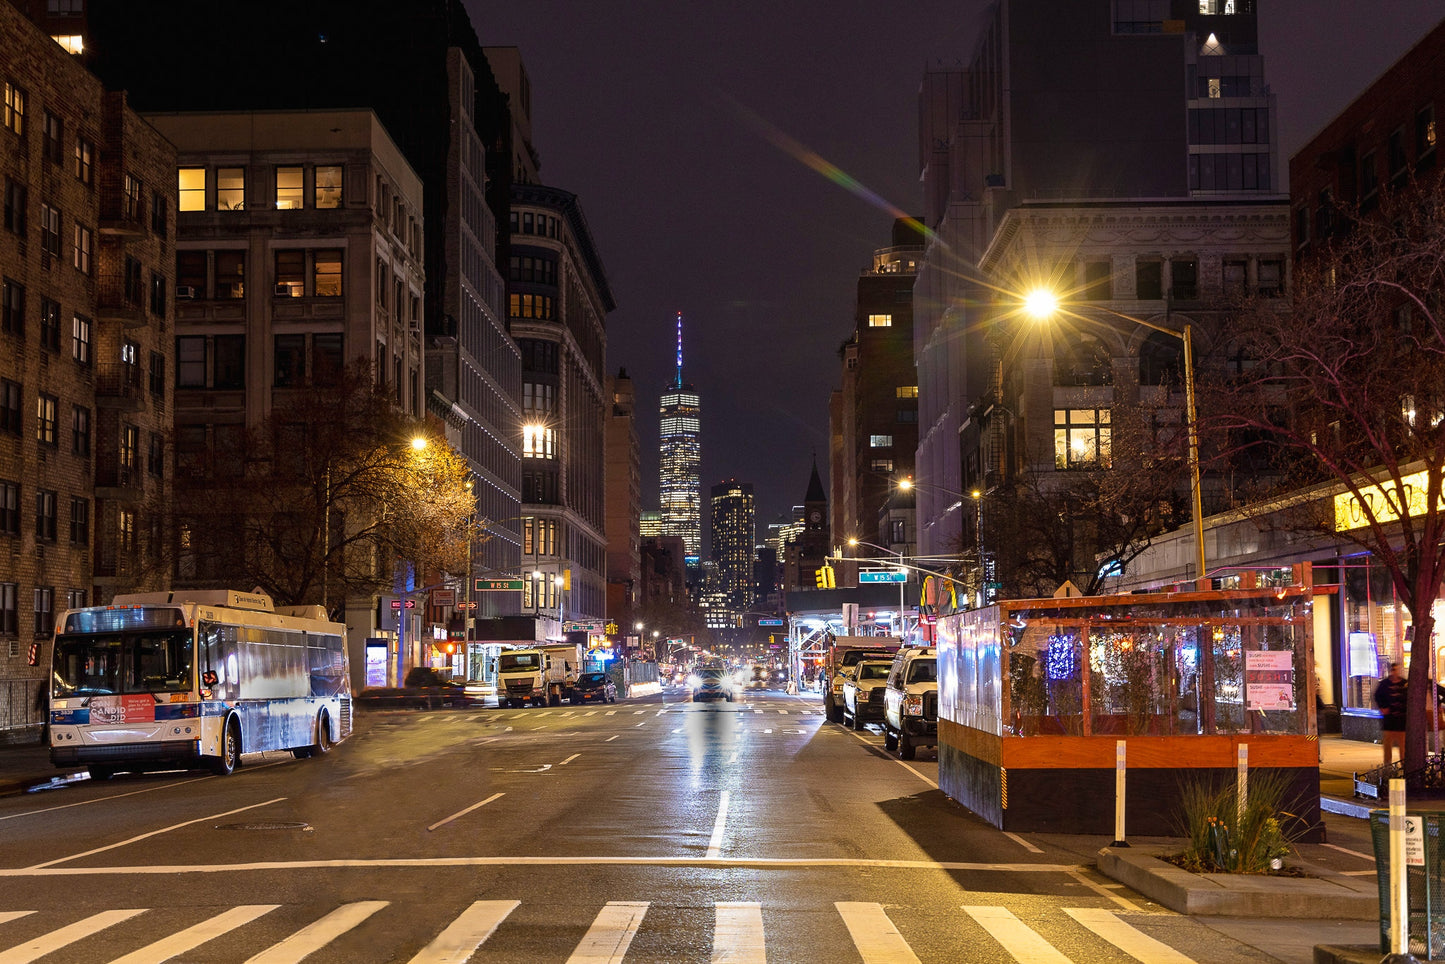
x,y
883,576
499,585
587,627
770,622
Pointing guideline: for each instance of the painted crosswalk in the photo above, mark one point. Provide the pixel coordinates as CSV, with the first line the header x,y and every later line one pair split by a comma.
x,y
879,934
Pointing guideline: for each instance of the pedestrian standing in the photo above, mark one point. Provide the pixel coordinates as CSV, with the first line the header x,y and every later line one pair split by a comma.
x,y
1390,700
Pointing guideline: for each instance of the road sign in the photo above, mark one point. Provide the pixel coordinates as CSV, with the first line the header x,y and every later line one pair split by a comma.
x,y
587,627
466,605
498,585
410,604
883,575
770,622
443,597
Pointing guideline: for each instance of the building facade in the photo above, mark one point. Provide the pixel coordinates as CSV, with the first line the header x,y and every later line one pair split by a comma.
x,y
86,319
732,536
624,502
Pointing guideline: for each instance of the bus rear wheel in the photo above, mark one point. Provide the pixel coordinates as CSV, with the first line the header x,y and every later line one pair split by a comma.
x,y
230,758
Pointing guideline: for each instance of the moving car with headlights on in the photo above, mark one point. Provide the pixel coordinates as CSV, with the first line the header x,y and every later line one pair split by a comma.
x,y
594,686
910,703
712,681
864,687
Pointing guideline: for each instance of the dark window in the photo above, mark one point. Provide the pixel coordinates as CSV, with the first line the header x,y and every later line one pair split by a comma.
x,y
9,608
12,307
1271,278
190,274
15,206
79,522
80,431
84,159
1369,181
156,456
1236,278
327,356
290,273
191,361
49,325
134,282
290,360
1425,137
9,508
1184,278
230,361
52,143
45,515
9,406
158,293
44,611
1149,280
157,373
49,231
231,274
159,210
1098,281
1395,155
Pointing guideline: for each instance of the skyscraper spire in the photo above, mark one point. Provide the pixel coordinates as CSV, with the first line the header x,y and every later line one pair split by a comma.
x,y
678,382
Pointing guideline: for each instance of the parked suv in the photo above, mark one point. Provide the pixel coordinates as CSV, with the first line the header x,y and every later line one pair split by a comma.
x,y
910,702
863,690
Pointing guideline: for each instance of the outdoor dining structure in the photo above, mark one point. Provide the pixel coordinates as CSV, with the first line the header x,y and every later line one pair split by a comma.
x,y
1036,695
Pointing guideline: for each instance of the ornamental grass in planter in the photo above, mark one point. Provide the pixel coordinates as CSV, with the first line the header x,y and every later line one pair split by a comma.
x,y
1222,840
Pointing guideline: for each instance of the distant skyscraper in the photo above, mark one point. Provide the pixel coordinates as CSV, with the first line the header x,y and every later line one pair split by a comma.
x,y
733,536
680,461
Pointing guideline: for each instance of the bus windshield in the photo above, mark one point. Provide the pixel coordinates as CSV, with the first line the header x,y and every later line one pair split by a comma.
x,y
145,662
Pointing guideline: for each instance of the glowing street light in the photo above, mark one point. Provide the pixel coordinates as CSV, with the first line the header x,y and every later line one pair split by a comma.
x,y
901,567
1043,304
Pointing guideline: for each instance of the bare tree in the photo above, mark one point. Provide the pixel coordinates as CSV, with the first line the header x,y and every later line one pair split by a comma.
x,y
327,499
1348,389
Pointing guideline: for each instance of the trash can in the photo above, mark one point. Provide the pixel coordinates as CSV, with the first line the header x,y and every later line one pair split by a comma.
x,y
1424,888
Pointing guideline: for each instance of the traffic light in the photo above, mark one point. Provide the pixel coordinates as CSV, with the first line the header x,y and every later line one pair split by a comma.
x,y
825,577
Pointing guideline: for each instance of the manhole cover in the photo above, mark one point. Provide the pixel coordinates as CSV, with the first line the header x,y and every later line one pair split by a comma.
x,y
272,825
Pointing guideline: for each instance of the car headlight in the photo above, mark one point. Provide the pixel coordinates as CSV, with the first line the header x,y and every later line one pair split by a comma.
x,y
693,681
913,704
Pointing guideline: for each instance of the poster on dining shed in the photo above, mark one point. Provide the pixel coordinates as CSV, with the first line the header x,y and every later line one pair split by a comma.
x,y
1269,679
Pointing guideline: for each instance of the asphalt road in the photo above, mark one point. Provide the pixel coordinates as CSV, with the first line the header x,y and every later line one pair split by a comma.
x,y
652,830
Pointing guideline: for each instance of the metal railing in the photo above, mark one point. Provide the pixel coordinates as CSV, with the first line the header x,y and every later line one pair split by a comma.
x,y
20,721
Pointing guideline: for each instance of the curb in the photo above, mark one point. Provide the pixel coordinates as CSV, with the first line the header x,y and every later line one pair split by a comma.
x,y
1347,954
1325,896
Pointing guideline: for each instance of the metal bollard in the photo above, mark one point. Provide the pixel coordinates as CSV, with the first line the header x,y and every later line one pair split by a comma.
x,y
1119,772
1399,881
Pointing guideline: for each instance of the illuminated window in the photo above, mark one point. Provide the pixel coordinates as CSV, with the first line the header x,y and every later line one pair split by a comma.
x,y
538,442
328,186
880,441
47,420
84,158
191,186
1081,438
907,391
326,273
880,321
72,43
14,108
82,249
230,189
881,465
288,189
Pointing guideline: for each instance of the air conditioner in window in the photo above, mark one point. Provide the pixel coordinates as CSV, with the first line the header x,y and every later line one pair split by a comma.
x,y
185,291
283,291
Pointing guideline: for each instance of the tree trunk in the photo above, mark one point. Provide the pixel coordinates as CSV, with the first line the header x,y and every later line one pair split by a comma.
x,y
1417,699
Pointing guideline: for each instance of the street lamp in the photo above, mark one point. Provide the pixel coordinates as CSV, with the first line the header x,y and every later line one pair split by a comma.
x,y
901,585
418,445
1042,304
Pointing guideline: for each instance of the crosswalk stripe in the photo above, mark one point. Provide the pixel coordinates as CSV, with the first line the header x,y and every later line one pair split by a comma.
x,y
465,934
9,915
875,937
738,934
1133,942
47,943
193,937
607,940
1021,941
313,937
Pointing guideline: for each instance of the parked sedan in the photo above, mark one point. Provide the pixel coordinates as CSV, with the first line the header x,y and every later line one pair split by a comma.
x,y
594,686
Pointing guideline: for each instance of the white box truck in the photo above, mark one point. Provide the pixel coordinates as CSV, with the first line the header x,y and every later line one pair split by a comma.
x,y
540,675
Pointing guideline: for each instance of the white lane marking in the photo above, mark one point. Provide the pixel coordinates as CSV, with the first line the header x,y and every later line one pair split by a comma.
x,y
193,937
153,833
1022,842
643,723
866,742
756,710
875,937
612,737
738,934
468,932
1020,940
714,845
638,712
784,712
732,863
590,713
768,730
507,730
678,730
569,759
1133,942
9,915
113,796
1352,853
463,813
1103,891
46,943
607,940
311,938
610,712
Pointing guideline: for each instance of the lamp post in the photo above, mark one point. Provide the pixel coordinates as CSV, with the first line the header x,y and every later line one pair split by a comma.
x,y
1043,304
418,445
901,568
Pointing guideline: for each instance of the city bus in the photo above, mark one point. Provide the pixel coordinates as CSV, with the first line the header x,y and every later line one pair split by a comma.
x,y
190,679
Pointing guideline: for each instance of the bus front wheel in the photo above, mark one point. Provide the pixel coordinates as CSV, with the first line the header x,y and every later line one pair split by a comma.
x,y
225,764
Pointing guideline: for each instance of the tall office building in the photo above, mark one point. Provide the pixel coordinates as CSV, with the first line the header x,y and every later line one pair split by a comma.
x,y
733,535
680,461
1124,153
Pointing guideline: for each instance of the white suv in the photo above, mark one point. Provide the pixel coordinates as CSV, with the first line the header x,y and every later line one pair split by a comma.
x,y
863,687
910,703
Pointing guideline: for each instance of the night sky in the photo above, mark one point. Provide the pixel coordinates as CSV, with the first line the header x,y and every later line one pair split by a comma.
x,y
685,129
